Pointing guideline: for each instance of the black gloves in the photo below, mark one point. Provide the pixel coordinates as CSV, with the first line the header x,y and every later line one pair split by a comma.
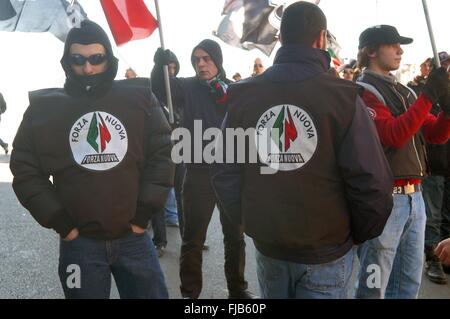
x,y
437,85
162,57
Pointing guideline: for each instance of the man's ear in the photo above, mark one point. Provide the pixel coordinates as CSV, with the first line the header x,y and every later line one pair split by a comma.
x,y
372,54
321,41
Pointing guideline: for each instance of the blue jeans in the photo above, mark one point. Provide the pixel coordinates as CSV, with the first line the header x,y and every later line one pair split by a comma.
x,y
170,210
279,279
131,259
397,252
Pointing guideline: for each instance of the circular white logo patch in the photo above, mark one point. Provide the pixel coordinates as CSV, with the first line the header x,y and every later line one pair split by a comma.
x,y
372,112
98,141
286,137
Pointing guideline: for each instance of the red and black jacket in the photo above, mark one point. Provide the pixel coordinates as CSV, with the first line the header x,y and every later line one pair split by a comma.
x,y
404,123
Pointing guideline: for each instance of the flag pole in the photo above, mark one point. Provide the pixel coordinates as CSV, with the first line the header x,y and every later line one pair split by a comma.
x,y
437,62
165,67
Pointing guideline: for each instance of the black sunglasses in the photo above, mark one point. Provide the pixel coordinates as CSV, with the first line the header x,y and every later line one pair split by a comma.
x,y
94,59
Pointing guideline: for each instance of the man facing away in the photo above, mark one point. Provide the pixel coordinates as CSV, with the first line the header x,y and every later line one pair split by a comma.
x,y
330,187
404,123
107,147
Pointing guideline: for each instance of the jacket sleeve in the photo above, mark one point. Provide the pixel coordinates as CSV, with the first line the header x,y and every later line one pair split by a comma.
x,y
157,176
397,131
32,185
226,178
436,130
159,86
368,179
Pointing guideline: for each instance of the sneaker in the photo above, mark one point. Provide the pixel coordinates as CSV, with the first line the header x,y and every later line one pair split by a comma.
x,y
160,249
435,272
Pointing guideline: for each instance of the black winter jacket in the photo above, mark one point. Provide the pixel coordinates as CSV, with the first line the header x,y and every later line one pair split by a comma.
x,y
109,158
334,185
197,105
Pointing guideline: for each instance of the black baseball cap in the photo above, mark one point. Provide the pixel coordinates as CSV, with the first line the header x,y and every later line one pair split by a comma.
x,y
381,34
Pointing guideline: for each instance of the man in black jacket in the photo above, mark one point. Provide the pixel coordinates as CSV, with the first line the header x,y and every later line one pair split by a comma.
x,y
203,100
330,186
107,146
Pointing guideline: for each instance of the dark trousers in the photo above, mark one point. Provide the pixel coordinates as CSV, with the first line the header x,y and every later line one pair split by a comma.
x,y
433,195
445,222
180,172
198,202
159,229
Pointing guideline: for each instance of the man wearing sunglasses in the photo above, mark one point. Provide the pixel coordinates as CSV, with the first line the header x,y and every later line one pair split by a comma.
x,y
106,145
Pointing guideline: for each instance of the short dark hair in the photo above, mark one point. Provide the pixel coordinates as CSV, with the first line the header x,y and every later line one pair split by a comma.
x,y
302,23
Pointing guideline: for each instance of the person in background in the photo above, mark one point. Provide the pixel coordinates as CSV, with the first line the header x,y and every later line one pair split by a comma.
x,y
419,81
130,73
203,98
258,67
436,193
348,70
237,77
170,215
3,110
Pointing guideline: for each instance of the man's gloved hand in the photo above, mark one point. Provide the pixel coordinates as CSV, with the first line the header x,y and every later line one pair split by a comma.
x,y
162,57
437,84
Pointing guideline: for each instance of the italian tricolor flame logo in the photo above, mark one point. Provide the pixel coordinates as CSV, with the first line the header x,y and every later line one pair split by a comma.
x,y
96,129
286,126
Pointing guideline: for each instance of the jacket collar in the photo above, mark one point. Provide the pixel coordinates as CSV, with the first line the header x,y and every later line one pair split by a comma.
x,y
386,78
295,63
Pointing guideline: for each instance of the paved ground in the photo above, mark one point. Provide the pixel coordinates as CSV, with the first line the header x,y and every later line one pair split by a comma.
x,y
29,256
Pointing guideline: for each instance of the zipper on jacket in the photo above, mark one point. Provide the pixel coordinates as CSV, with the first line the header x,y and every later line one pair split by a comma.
x,y
413,138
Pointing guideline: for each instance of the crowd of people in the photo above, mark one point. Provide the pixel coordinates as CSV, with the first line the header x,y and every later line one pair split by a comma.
x,y
353,166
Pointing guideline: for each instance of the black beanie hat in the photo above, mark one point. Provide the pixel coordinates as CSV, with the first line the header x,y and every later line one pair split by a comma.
x,y
215,52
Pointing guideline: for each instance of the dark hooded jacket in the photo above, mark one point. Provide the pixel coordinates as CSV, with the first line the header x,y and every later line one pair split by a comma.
x,y
106,145
194,97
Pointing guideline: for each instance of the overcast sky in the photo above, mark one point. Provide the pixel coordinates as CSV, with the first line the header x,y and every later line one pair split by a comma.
x,y
31,61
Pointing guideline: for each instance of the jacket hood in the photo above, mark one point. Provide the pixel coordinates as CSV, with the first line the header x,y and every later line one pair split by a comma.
x,y
95,85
